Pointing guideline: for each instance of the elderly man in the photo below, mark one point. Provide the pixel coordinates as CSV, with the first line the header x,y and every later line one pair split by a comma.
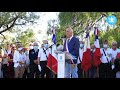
x,y
42,58
33,56
71,46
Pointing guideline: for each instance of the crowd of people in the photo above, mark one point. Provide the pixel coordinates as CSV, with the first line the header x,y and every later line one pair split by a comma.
x,y
109,59
19,62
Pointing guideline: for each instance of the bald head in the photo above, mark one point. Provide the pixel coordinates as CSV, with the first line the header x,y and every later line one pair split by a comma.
x,y
69,32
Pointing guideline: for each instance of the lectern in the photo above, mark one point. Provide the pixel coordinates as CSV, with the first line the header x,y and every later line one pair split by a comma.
x,y
61,64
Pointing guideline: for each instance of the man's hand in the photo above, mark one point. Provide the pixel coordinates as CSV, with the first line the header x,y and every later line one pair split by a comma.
x,y
73,65
36,62
20,62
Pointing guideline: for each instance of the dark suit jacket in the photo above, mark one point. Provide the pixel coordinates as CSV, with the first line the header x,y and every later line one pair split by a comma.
x,y
33,56
73,47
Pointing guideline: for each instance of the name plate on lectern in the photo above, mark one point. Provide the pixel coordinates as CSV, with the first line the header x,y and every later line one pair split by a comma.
x,y
61,65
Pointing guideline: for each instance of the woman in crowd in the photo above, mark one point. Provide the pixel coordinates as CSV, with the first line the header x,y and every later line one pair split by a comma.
x,y
19,60
10,63
26,72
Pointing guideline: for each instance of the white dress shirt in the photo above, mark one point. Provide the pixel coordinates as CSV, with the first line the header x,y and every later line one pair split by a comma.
x,y
18,57
80,55
114,53
5,60
108,55
42,55
27,59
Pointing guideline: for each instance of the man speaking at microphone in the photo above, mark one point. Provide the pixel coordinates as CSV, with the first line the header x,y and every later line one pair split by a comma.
x,y
71,47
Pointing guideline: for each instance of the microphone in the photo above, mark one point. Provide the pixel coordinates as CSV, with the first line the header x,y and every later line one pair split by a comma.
x,y
50,46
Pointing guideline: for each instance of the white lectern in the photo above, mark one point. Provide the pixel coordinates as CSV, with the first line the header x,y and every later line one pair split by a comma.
x,y
61,64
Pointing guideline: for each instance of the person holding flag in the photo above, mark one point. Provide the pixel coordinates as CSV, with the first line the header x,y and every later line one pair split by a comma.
x,y
52,63
91,57
42,58
71,46
86,59
95,55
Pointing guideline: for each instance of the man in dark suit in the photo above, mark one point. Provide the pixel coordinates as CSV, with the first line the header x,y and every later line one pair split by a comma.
x,y
33,56
71,46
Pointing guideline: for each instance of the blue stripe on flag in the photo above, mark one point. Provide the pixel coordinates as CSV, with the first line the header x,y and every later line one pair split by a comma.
x,y
54,39
96,37
87,35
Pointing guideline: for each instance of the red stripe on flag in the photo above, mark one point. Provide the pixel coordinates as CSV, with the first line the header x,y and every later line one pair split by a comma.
x,y
86,60
52,63
97,56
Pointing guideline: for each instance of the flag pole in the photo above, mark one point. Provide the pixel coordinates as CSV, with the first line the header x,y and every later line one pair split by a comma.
x,y
53,28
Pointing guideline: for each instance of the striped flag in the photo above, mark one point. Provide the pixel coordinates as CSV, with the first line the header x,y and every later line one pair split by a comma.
x,y
52,63
54,36
97,53
86,60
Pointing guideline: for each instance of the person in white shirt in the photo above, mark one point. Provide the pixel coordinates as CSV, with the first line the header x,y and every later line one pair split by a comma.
x,y
80,71
7,51
27,63
42,57
19,62
105,66
1,56
114,51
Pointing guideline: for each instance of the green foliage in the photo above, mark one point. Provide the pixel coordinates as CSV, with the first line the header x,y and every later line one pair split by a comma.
x,y
25,37
79,20
8,20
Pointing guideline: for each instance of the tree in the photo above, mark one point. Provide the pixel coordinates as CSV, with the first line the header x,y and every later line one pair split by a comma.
x,y
80,20
57,28
25,37
8,20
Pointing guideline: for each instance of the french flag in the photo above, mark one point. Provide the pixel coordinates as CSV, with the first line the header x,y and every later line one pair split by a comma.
x,y
52,63
54,36
86,60
97,53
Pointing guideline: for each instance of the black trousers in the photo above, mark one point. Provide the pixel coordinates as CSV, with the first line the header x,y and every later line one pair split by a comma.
x,y
105,70
5,70
34,71
80,71
93,72
45,70
26,74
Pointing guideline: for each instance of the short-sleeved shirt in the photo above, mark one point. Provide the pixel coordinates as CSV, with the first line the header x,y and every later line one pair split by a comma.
x,y
42,54
5,60
108,55
114,53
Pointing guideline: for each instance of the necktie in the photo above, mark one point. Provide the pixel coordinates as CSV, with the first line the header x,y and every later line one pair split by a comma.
x,y
68,41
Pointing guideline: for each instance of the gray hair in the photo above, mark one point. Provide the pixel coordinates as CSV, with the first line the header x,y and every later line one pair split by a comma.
x,y
70,28
35,43
114,42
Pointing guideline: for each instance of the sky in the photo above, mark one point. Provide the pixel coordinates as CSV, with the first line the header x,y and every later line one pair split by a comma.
x,y
42,24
